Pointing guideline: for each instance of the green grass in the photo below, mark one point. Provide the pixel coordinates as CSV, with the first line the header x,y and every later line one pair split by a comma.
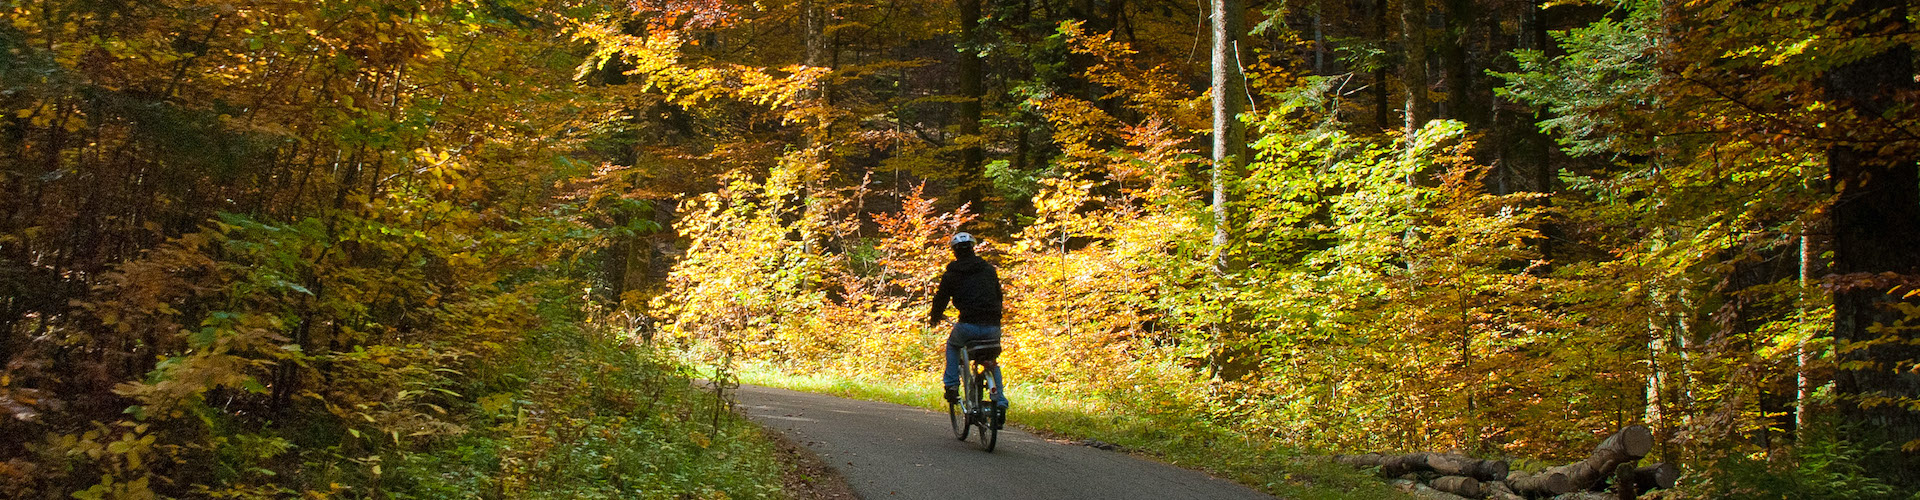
x,y
565,412
602,419
1181,440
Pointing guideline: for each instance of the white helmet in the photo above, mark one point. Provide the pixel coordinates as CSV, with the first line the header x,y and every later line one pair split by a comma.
x,y
959,238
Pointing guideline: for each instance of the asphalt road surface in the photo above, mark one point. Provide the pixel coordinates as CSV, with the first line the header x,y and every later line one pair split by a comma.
x,y
889,451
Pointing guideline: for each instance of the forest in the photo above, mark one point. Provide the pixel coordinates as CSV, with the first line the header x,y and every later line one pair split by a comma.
x,y
479,248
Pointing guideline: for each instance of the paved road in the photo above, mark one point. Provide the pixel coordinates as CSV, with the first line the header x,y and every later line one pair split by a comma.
x,y
889,451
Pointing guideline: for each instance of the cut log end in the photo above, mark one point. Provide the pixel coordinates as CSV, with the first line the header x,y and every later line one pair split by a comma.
x,y
1624,447
1542,484
1634,441
1656,476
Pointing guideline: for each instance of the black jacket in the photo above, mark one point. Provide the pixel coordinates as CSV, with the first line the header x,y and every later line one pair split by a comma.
x,y
974,288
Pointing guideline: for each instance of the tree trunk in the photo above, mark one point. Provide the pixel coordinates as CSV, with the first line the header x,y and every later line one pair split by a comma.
x,y
1466,99
1624,486
1445,464
1413,71
1390,465
1319,37
1229,135
1457,465
1421,490
1380,92
1542,484
1801,384
819,54
1528,151
1624,447
1662,475
818,47
971,185
1459,485
1876,230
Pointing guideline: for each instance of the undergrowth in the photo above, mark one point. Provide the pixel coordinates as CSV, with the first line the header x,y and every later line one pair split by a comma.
x,y
1823,466
571,412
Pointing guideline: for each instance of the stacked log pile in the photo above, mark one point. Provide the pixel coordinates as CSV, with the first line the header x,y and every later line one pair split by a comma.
x,y
1610,472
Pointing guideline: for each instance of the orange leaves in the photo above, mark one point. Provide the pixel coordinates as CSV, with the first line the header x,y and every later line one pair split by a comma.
x,y
1158,158
914,252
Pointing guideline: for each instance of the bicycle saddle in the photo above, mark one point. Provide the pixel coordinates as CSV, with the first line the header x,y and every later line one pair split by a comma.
x,y
983,350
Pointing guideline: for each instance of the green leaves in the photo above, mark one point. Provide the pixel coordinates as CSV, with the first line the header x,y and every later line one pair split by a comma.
x,y
1601,95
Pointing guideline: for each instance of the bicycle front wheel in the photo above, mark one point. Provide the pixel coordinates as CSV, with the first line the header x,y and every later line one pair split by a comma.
x,y
978,390
989,436
958,415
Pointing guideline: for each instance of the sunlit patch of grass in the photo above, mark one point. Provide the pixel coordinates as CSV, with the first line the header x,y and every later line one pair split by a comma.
x,y
1182,440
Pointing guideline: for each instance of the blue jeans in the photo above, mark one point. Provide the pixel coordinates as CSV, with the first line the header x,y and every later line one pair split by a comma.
x,y
963,332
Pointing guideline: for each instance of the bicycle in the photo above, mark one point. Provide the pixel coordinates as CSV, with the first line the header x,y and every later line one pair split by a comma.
x,y
974,409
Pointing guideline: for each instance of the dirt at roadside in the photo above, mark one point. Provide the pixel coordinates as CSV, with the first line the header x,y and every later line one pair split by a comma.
x,y
808,477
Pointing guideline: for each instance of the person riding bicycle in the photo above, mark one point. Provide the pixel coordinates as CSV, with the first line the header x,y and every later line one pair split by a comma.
x,y
974,288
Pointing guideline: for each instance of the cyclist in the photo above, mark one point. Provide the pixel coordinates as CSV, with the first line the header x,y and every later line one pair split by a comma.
x,y
974,288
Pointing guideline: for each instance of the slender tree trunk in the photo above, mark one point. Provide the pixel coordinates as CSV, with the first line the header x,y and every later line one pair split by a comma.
x,y
1229,135
1876,230
1532,150
1319,37
1413,73
1229,143
1800,379
1655,411
1413,80
1681,343
1022,146
1380,92
815,18
1466,98
615,259
819,54
971,184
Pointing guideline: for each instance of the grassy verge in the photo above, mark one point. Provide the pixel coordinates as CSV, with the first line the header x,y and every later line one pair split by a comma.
x,y
1181,440
565,412
600,419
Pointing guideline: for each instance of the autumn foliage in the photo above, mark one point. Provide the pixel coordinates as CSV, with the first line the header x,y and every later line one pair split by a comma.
x,y
434,248
259,249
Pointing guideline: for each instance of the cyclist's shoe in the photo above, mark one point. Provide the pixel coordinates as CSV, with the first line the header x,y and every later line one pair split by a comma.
x,y
999,416
952,394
